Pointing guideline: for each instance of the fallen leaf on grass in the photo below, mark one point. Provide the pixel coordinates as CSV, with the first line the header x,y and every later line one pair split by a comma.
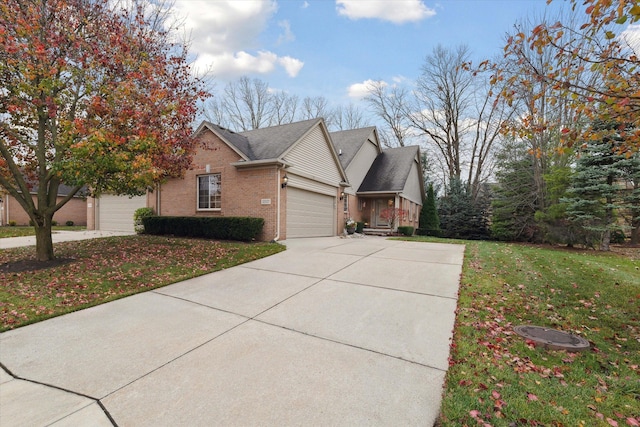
x,y
532,396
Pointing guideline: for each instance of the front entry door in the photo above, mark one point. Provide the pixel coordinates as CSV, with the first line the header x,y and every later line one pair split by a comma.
x,y
381,205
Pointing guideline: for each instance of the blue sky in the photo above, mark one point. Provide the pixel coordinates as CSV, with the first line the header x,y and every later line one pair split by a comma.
x,y
331,48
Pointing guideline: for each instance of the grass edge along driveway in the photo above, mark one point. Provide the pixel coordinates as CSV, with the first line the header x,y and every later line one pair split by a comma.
x,y
21,231
496,378
91,272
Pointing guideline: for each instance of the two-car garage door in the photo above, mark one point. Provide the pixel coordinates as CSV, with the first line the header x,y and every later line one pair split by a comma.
x,y
309,214
115,213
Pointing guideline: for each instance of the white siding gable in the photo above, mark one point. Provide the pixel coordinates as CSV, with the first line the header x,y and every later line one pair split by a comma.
x,y
360,165
312,158
412,187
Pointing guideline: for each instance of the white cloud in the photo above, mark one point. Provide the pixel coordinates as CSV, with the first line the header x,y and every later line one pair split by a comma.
x,y
224,35
228,65
397,11
287,35
291,65
399,79
632,37
360,90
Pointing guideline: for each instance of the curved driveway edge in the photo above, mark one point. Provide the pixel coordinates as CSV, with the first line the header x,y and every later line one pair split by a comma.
x,y
332,331
59,236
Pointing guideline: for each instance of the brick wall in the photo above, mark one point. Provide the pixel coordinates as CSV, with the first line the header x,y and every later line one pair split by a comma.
x,y
412,218
74,210
244,192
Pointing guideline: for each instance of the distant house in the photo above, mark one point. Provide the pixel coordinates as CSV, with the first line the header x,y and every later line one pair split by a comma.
x,y
303,180
74,210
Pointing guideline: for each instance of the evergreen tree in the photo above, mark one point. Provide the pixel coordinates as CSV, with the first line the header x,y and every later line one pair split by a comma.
x,y
554,221
429,220
514,204
631,198
460,218
596,194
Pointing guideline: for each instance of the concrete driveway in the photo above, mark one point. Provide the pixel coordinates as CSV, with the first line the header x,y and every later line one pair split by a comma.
x,y
59,236
330,332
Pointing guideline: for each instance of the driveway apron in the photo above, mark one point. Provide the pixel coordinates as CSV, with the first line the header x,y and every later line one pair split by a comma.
x,y
332,331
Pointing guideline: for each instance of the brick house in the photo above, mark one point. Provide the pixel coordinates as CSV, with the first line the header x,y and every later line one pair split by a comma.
x,y
303,180
74,210
289,175
380,180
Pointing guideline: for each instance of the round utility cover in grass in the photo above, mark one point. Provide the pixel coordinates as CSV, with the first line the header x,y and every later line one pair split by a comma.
x,y
552,338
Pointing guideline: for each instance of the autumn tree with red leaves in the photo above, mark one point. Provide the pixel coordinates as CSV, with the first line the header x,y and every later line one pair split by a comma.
x,y
393,216
597,47
93,94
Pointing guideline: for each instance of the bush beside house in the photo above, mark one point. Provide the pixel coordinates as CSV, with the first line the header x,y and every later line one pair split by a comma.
x,y
224,228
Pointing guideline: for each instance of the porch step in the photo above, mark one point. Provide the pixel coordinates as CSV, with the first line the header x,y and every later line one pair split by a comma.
x,y
376,231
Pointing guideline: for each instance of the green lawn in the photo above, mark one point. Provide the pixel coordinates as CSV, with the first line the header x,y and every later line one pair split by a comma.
x,y
8,231
497,378
95,271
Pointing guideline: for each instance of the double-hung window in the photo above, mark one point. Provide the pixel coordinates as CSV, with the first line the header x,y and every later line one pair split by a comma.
x,y
209,192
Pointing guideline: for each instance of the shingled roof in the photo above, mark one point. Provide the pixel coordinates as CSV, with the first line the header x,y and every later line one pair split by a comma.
x,y
274,141
348,142
266,143
63,189
390,170
240,142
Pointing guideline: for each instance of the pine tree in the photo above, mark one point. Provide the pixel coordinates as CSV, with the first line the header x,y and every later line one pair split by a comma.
x,y
460,218
631,198
554,221
514,204
596,194
429,220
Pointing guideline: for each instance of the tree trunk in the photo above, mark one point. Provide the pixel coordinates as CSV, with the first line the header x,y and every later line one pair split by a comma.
x,y
44,242
635,233
606,240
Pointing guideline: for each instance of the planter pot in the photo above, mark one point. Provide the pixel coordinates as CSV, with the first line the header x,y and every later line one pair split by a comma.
x,y
351,230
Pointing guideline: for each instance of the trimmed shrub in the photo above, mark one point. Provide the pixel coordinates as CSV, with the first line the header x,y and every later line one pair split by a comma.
x,y
54,223
405,230
12,223
69,223
138,215
223,228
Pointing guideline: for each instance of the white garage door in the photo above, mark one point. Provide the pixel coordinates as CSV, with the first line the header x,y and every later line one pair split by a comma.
x,y
116,212
309,214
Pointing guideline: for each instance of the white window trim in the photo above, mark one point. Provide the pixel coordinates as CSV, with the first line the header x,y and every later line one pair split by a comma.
x,y
198,208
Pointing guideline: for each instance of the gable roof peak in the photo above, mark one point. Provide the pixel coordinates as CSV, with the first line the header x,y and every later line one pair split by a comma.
x,y
390,170
272,142
348,142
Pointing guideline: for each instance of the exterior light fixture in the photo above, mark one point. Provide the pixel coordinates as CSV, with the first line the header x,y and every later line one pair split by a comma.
x,y
342,195
285,179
